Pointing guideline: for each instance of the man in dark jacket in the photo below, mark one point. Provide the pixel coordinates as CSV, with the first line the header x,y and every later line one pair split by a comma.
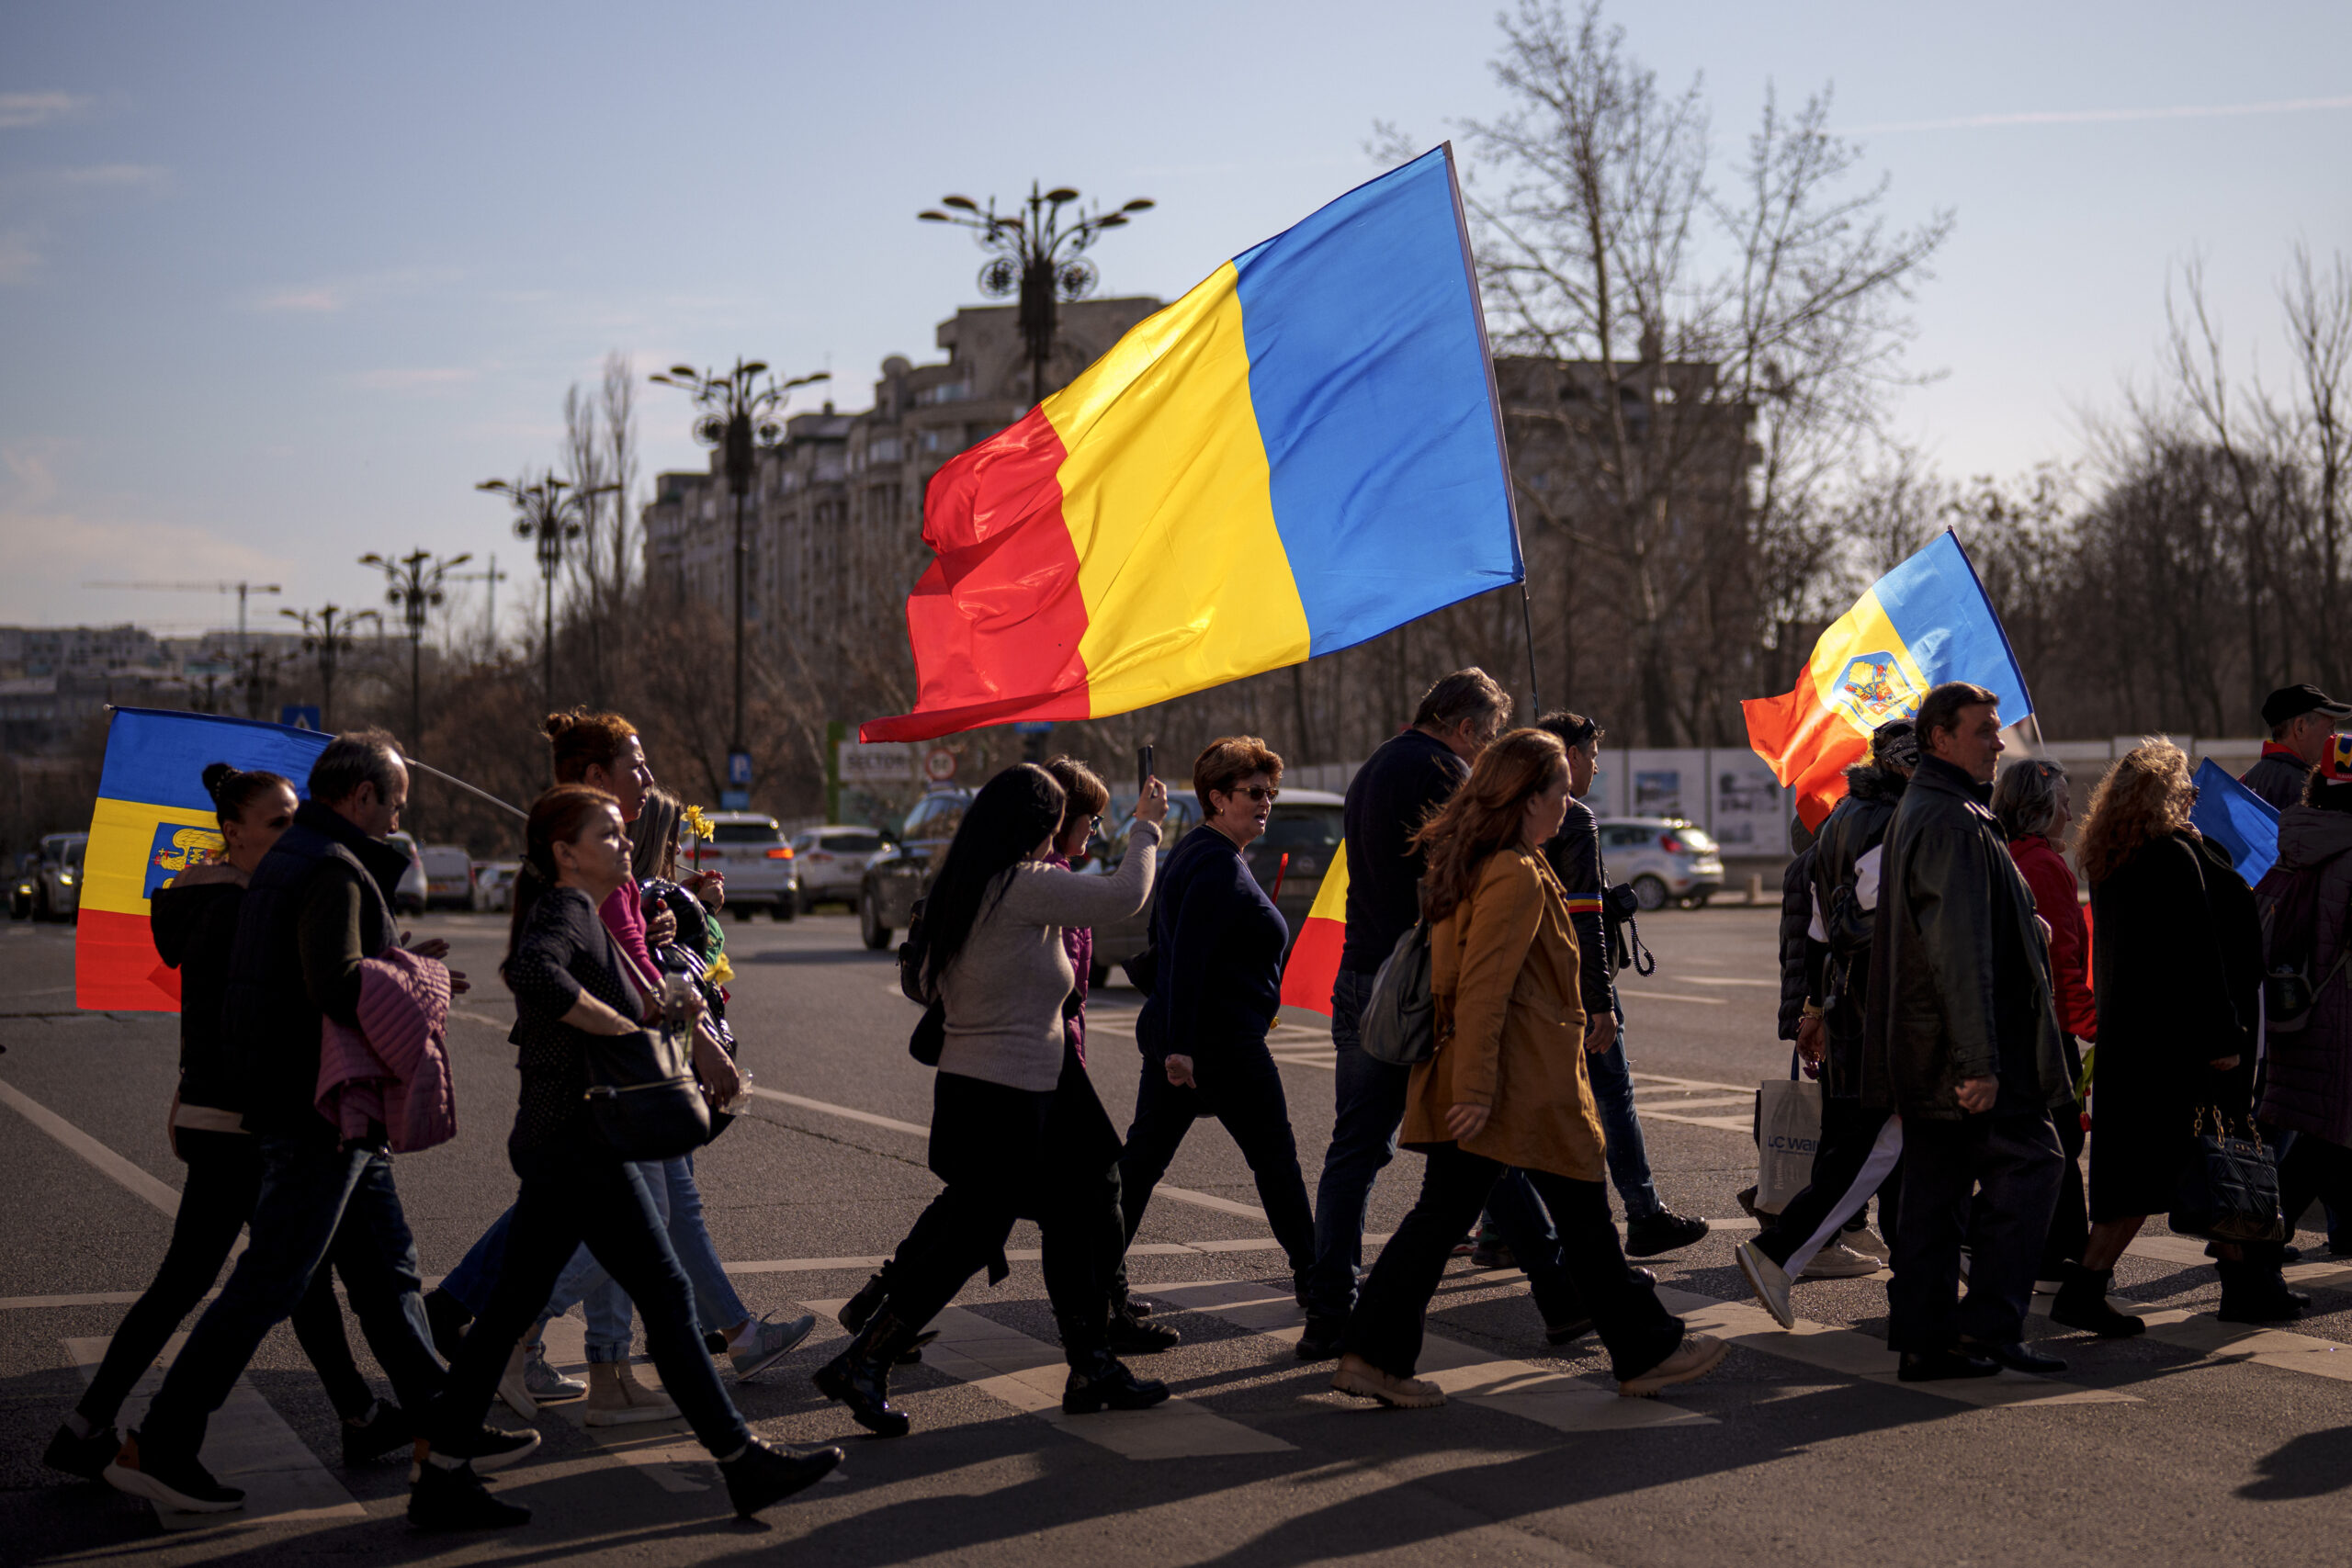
x,y
1410,775
2300,719
1962,1042
1807,1239
318,906
1575,857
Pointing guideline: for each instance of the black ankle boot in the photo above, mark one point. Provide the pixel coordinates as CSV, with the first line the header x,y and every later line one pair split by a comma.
x,y
859,1308
1131,1335
1099,1380
2081,1303
2255,1293
860,1376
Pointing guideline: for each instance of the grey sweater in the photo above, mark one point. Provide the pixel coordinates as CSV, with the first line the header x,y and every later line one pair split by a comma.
x,y
1003,994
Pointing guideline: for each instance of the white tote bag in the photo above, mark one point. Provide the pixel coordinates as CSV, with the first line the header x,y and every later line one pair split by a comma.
x,y
1787,1130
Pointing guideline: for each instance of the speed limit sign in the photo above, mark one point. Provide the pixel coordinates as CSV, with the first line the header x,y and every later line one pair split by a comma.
x,y
939,765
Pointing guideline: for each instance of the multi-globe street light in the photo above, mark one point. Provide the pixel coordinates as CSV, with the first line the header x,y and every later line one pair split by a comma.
x,y
327,633
740,418
414,585
549,512
1036,255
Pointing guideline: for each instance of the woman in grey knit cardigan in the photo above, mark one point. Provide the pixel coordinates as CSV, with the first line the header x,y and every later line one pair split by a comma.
x,y
1016,1128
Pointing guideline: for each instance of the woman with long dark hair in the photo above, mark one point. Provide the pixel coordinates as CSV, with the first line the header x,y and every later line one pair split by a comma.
x,y
571,986
1016,1127
2177,1006
194,918
1507,1086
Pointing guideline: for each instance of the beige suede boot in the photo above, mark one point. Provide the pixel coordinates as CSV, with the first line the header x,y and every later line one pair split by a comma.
x,y
616,1399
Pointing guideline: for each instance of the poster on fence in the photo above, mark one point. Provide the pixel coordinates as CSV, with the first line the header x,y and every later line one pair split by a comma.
x,y
1748,814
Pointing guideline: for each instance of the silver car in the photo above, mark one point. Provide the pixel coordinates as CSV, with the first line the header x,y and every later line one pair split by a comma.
x,y
900,872
57,889
749,849
833,860
1665,858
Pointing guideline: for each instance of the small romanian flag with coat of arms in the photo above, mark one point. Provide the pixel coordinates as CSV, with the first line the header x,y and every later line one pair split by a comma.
x,y
152,821
1922,624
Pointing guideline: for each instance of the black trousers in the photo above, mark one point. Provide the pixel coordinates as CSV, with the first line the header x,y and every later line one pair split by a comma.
x,y
576,1193
1848,1132
223,1179
2070,1223
2313,1168
1989,1180
1006,1155
1238,1083
1386,1328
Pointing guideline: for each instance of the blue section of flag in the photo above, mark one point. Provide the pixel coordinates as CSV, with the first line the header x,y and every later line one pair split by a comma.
x,y
1369,379
157,758
2235,818
1938,607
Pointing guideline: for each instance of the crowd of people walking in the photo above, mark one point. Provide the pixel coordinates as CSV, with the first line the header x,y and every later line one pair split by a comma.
x,y
1940,978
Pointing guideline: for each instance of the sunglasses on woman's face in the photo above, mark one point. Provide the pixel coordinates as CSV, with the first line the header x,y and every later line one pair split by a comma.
x,y
1261,793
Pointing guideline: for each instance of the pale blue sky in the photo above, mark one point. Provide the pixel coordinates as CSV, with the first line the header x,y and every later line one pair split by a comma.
x,y
279,283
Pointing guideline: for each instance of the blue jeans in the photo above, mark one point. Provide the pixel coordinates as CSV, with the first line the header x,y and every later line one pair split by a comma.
x,y
1629,1162
1369,1111
314,1197
678,1202
572,1198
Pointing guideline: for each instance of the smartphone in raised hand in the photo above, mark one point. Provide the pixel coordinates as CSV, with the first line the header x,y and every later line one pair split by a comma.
x,y
1143,769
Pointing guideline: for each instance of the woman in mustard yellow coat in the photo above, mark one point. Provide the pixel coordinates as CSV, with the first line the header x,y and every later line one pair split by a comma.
x,y
1507,1087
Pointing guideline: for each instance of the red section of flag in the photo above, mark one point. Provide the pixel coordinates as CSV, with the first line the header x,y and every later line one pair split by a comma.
x,y
996,620
116,967
1808,747
1314,966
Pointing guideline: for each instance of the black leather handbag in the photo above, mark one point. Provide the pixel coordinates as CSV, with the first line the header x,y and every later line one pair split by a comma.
x,y
2229,1188
643,1095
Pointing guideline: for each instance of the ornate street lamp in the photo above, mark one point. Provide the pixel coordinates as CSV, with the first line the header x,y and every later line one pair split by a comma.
x,y
740,418
549,514
1036,255
414,586
327,635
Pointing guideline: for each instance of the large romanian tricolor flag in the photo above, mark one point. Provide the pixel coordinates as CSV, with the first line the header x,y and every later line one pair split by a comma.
x,y
1302,453
1922,624
154,820
1314,963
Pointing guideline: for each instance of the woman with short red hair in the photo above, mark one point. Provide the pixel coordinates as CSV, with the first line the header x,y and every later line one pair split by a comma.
x,y
1220,941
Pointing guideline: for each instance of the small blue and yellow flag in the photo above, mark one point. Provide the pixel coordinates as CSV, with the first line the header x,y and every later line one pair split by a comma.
x,y
152,821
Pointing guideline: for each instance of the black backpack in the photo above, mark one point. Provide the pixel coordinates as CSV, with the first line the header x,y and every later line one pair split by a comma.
x,y
2289,900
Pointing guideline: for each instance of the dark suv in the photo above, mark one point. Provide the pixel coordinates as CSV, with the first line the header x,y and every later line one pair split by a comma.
x,y
898,877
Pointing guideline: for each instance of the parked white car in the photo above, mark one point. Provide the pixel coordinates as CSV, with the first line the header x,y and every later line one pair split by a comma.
x,y
408,898
831,860
1664,858
448,877
749,849
494,885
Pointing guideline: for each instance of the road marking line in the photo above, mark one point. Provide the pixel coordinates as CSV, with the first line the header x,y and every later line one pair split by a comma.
x,y
1646,1104
1173,1194
1543,1395
1726,980
1028,1374
248,1444
1858,1356
129,1176
1660,1078
1672,996
1723,1124
654,1449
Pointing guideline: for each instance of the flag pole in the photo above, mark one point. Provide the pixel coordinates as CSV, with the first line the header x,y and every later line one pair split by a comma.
x,y
1495,411
447,778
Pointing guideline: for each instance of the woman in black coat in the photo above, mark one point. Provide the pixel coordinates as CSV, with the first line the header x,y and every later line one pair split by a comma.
x,y
2173,947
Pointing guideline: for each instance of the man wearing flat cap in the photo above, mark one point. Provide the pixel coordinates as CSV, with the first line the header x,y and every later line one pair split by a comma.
x,y
2300,719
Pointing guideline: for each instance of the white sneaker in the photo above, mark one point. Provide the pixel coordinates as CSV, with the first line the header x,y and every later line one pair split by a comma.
x,y
1838,1261
544,1383
766,1343
1767,1279
1868,1243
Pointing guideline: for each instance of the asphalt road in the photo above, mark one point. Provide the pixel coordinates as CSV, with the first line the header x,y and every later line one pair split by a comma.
x,y
2194,1444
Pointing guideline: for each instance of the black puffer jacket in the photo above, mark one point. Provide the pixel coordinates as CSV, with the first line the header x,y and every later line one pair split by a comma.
x,y
194,928
1959,981
1800,954
1858,826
